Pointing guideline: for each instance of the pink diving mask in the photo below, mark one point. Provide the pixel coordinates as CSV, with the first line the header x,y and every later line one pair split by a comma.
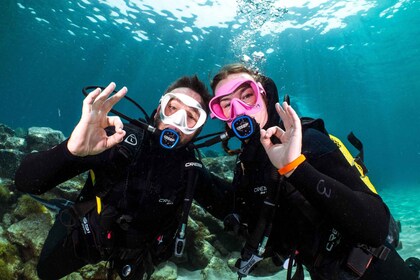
x,y
237,106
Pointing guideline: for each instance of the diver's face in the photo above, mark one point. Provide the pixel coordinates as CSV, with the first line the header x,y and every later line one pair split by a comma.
x,y
182,112
244,93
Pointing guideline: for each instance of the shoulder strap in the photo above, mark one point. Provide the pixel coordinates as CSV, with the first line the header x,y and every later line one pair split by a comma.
x,y
317,124
191,169
133,142
272,98
357,164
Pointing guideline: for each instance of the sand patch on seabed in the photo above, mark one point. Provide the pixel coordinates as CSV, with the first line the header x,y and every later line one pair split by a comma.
x,y
404,203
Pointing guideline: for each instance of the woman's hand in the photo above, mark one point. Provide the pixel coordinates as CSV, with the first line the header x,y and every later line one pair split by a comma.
x,y
291,138
89,136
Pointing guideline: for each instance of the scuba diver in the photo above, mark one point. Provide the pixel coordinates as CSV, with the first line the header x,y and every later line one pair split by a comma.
x,y
133,210
295,197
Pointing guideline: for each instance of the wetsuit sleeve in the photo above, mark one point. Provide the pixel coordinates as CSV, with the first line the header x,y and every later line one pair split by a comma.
x,y
214,194
41,171
333,187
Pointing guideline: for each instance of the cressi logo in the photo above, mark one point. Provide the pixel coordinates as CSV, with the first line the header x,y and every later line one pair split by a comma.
x,y
166,201
333,240
260,189
193,164
242,126
131,139
171,139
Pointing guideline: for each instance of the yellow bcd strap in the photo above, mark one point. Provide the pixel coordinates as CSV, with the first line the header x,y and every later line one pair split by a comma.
x,y
98,199
352,162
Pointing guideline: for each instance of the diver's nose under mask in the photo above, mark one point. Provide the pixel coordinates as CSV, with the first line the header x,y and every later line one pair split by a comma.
x,y
237,106
179,119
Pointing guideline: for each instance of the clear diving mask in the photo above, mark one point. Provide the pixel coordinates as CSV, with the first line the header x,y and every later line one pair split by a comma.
x,y
187,120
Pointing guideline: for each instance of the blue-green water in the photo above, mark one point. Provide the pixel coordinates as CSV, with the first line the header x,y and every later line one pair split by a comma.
x,y
354,63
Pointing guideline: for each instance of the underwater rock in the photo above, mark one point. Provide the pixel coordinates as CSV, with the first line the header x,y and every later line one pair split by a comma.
x,y
218,269
91,272
11,151
43,138
5,193
225,242
9,139
221,166
7,220
30,233
13,142
9,162
197,213
9,260
26,206
69,189
165,271
29,270
199,250
5,132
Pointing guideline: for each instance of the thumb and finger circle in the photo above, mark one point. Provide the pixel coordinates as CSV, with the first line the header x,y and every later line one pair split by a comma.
x,y
116,122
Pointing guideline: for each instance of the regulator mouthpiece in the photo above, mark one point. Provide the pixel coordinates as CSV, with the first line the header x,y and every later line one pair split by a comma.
x,y
243,127
169,138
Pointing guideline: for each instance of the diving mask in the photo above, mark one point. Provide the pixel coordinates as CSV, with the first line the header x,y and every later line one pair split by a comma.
x,y
179,119
237,106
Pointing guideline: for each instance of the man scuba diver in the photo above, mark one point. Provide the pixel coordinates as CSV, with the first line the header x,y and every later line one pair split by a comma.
x,y
294,196
133,209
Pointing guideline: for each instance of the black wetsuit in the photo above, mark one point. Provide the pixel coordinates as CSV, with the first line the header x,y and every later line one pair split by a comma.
x,y
324,209
142,192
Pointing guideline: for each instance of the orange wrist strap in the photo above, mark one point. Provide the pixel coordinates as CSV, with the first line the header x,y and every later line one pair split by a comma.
x,y
292,165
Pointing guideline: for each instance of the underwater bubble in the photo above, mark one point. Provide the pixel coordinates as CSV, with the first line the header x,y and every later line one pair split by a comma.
x,y
245,58
258,55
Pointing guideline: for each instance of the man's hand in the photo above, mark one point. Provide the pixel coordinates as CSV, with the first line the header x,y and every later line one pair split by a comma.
x,y
291,138
89,136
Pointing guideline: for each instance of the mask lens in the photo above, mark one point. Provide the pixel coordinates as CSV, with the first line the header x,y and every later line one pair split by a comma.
x,y
243,127
180,117
169,138
246,100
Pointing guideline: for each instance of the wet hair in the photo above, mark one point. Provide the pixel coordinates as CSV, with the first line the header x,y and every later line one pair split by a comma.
x,y
195,84
233,69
